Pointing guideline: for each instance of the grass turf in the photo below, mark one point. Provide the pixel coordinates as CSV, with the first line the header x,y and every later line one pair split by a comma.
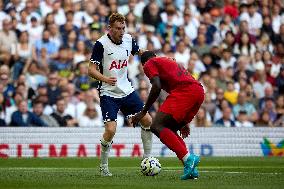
x,y
71,173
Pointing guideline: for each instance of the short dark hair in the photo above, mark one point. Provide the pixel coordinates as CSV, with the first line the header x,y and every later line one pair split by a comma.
x,y
146,56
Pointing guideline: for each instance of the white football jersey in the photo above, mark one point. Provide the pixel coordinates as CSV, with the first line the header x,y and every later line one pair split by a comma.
x,y
113,60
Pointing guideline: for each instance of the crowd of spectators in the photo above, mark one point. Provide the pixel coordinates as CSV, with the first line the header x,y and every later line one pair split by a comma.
x,y
235,48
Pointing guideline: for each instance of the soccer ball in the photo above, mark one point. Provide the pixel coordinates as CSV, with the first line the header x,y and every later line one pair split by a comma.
x,y
150,166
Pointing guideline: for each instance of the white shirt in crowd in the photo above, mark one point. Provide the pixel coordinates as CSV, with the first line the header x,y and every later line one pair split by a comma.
x,y
254,22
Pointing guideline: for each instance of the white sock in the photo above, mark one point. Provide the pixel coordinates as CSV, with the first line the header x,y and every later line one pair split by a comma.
x,y
146,137
185,157
105,148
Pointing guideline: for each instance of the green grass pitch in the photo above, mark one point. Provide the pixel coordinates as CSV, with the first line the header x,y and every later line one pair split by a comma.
x,y
71,173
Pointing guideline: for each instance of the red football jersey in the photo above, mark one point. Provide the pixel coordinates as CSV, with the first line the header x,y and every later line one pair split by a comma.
x,y
172,75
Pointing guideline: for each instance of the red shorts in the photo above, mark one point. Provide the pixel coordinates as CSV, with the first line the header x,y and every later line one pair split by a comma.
x,y
183,103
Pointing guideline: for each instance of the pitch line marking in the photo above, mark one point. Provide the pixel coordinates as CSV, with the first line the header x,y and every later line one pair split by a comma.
x,y
95,169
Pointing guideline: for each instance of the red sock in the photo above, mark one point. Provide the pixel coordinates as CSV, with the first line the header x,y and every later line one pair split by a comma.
x,y
180,140
170,139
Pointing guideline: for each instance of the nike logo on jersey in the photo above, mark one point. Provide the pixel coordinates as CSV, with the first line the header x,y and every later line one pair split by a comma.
x,y
109,53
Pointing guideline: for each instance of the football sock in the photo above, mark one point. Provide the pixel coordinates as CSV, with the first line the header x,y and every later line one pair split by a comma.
x,y
183,143
105,148
170,139
180,140
146,136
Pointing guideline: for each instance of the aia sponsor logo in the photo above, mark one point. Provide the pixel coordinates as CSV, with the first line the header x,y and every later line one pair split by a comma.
x,y
118,65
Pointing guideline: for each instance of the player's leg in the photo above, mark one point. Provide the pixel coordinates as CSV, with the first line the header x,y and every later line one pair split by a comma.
x,y
146,135
195,173
109,112
131,105
162,127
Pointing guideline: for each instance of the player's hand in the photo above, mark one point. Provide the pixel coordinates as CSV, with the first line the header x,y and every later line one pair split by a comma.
x,y
137,117
111,81
185,131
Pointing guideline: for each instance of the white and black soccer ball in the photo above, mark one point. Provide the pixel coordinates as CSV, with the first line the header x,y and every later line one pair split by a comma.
x,y
150,166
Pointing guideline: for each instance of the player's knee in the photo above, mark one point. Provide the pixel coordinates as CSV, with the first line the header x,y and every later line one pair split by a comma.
x,y
110,131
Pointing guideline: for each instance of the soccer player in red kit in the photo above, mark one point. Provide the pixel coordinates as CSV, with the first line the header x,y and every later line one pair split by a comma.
x,y
183,102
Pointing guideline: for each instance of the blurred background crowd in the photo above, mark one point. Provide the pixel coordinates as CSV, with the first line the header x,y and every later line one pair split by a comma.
x,y
235,48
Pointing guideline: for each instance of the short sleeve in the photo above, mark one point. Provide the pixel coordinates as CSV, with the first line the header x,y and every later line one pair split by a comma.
x,y
97,54
150,69
135,47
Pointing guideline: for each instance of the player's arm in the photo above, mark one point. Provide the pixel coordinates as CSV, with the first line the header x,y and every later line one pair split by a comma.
x,y
95,62
154,93
94,72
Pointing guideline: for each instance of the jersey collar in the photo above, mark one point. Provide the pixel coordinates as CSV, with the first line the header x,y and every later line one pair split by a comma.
x,y
119,43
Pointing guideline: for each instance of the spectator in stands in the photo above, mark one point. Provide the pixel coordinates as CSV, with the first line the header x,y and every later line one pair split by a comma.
x,y
251,97
209,105
90,118
210,28
35,30
46,43
62,119
227,59
7,39
62,63
242,68
264,120
79,54
89,97
149,35
23,118
70,107
2,110
151,14
198,64
81,79
191,24
280,81
253,18
280,111
264,43
244,47
8,88
55,36
202,118
279,37
38,110
269,106
53,91
242,120
229,41
226,120
260,84
182,54
246,106
268,93
230,94
21,53
244,28
201,47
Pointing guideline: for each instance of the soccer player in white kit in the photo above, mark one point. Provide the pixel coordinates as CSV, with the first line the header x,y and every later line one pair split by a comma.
x,y
108,64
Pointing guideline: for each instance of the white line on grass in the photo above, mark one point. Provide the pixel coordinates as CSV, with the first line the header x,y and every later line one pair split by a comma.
x,y
59,169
